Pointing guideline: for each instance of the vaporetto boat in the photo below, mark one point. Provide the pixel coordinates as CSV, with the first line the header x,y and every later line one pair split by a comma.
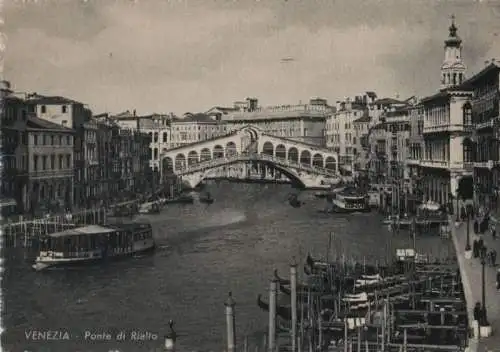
x,y
94,243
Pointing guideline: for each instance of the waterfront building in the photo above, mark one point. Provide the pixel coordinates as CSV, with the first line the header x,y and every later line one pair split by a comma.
x,y
303,122
361,127
38,159
416,148
446,166
87,168
340,130
194,128
483,145
397,123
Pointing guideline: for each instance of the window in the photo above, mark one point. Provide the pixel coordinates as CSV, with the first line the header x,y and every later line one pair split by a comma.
x,y
52,140
43,109
52,162
64,109
44,162
68,161
60,140
61,166
35,139
155,156
64,123
156,137
35,162
468,151
467,114
68,140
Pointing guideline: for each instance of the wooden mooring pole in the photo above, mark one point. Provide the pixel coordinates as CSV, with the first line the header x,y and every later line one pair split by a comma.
x,y
273,291
293,286
230,323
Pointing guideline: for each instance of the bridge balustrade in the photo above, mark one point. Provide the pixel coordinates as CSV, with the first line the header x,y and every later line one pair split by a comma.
x,y
252,156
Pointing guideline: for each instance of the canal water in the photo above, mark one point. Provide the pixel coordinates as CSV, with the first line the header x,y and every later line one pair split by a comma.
x,y
204,252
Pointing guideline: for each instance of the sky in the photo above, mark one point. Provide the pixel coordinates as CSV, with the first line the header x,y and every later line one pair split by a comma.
x,y
190,55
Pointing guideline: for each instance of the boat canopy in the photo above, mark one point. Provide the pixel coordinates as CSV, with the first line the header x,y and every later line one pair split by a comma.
x,y
87,230
430,206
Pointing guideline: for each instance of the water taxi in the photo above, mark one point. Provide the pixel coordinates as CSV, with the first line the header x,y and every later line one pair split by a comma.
x,y
94,243
349,200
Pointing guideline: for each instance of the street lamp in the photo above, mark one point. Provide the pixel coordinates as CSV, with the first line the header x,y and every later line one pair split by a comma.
x,y
484,316
467,244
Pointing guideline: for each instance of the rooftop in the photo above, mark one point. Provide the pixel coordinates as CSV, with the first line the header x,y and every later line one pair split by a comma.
x,y
35,123
492,67
365,118
49,100
388,101
87,230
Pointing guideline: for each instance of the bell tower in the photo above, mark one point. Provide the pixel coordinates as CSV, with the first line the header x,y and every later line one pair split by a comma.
x,y
453,69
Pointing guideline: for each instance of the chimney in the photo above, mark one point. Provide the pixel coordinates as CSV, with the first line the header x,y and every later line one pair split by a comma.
x,y
134,112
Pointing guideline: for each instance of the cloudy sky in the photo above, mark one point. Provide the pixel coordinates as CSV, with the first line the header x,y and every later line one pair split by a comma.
x,y
189,55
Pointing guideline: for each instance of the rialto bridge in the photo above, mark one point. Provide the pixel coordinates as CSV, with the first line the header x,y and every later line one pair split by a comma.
x,y
306,165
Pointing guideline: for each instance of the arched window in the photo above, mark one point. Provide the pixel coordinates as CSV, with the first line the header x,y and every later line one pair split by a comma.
x,y
467,114
165,137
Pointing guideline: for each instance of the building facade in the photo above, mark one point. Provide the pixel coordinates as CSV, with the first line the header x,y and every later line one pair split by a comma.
x,y
39,165
484,143
303,122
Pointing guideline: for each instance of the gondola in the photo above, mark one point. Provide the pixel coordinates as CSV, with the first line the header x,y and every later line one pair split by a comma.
x,y
294,201
207,199
280,280
283,312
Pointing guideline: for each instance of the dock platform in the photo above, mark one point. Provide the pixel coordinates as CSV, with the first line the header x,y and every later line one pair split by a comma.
x,y
470,270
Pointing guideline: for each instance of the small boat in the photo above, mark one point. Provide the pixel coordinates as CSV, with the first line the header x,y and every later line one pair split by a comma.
x,y
321,194
93,244
150,208
207,199
350,200
182,199
294,201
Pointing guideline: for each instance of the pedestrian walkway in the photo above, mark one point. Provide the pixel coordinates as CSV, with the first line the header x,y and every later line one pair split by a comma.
x,y
471,278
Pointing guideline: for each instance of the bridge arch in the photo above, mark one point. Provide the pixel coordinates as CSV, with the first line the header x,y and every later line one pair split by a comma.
x,y
317,160
252,131
218,152
280,151
305,157
268,148
283,170
180,161
192,157
330,163
293,154
205,154
231,149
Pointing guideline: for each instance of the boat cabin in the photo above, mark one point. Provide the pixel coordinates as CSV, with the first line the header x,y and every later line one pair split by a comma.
x,y
94,241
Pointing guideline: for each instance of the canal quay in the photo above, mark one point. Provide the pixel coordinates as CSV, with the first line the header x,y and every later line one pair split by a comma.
x,y
205,251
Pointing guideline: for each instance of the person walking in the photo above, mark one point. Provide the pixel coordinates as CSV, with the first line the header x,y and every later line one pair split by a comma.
x,y
494,233
493,255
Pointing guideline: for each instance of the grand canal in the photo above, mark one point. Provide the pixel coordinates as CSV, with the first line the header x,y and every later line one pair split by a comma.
x,y
205,251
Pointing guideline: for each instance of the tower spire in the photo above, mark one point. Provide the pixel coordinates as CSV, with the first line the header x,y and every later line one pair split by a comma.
x,y
453,28
453,69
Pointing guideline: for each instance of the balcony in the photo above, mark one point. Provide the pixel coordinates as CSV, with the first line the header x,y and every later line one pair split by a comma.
x,y
462,165
439,164
488,124
448,128
490,164
412,161
51,173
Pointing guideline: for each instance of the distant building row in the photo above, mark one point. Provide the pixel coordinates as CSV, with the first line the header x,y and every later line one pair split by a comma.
x,y
56,156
